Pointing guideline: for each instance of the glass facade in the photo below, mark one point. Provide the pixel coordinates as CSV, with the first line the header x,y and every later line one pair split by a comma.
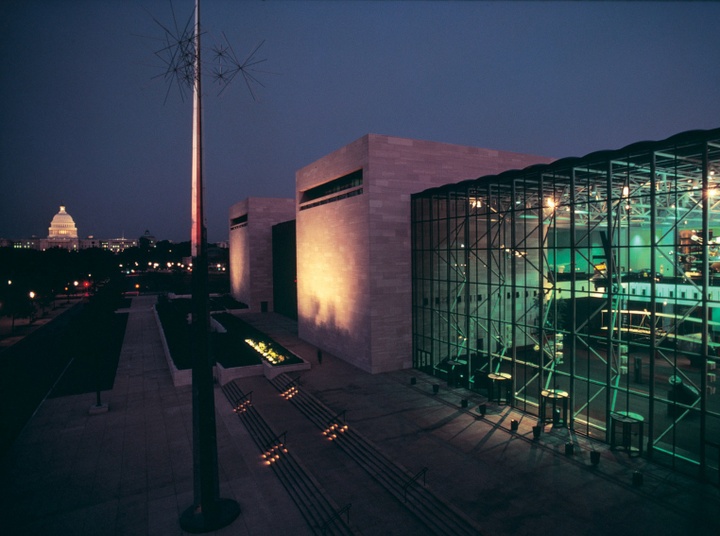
x,y
597,277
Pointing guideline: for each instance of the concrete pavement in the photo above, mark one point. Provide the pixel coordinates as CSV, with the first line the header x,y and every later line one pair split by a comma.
x,y
129,471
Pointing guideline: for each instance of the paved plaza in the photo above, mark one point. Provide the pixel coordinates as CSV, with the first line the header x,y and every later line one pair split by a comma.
x,y
129,470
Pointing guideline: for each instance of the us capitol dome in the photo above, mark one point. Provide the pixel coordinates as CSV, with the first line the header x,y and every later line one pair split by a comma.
x,y
63,233
62,226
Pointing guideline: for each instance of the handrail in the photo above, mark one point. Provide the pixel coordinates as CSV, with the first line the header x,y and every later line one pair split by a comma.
x,y
344,510
291,384
243,402
422,472
336,424
279,439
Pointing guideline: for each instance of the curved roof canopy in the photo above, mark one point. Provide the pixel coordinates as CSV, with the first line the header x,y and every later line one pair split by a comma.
x,y
677,153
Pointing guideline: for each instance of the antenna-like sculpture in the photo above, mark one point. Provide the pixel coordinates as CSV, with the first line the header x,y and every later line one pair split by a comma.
x,y
182,58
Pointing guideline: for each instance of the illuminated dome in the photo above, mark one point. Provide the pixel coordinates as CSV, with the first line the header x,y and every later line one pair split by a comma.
x,y
62,225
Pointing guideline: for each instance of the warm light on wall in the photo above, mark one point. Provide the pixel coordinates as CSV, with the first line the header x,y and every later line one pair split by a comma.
x,y
332,275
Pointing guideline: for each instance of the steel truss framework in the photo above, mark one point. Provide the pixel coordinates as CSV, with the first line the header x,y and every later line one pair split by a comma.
x,y
594,275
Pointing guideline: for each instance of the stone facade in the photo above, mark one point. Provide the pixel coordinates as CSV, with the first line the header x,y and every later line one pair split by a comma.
x,y
353,244
251,274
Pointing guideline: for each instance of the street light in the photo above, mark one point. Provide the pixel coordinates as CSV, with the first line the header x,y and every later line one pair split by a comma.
x,y
32,308
13,307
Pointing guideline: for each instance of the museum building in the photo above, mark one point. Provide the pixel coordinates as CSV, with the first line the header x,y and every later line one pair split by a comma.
x,y
585,292
251,249
353,241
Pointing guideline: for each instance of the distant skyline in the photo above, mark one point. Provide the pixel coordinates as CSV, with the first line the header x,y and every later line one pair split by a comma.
x,y
84,120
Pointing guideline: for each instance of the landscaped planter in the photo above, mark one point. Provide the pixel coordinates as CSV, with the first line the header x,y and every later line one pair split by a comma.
x,y
226,375
271,371
179,377
234,341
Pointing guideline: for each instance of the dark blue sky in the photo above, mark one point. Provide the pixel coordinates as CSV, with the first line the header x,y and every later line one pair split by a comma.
x,y
84,122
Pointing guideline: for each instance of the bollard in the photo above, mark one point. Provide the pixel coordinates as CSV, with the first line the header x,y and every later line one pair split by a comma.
x,y
595,457
637,478
436,388
569,449
514,425
482,409
537,430
464,403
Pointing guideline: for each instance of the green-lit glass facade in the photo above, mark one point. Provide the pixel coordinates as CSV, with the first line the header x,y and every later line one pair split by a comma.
x,y
598,276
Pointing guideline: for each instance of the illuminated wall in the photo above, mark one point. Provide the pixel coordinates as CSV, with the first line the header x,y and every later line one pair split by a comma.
x,y
353,240
251,271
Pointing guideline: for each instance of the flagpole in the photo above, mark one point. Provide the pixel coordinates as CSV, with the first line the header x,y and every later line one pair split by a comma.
x,y
208,512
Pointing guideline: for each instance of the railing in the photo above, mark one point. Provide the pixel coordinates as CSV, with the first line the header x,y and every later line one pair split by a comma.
x,y
243,403
337,515
420,473
290,390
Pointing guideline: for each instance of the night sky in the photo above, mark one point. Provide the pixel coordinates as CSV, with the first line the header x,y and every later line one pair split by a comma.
x,y
84,118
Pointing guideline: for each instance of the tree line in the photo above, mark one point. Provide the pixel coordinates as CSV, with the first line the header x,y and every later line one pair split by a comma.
x,y
31,281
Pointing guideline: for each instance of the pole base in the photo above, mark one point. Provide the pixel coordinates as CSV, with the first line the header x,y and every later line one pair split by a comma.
x,y
97,410
221,514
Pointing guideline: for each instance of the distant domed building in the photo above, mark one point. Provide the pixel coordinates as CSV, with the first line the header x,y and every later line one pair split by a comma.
x,y
147,240
62,232
63,225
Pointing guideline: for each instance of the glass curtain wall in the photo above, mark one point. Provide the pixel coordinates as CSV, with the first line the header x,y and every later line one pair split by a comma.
x,y
596,276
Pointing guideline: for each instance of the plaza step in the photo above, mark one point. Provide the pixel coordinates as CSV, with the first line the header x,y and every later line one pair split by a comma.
x,y
322,516
436,514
